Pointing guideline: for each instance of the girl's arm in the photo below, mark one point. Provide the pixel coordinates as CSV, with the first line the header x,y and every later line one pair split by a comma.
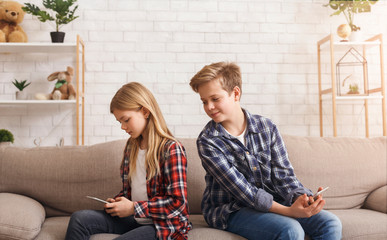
x,y
174,186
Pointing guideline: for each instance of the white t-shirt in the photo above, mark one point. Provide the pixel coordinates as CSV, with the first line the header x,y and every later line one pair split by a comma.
x,y
138,184
240,137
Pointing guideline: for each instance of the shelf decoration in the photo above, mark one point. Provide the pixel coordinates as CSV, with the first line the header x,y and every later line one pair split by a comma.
x,y
6,137
351,74
21,95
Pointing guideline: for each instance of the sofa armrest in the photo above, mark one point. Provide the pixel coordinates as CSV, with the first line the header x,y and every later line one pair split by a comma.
x,y
377,200
21,216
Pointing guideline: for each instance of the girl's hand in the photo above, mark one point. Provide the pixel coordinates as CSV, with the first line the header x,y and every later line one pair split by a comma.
x,y
120,207
301,208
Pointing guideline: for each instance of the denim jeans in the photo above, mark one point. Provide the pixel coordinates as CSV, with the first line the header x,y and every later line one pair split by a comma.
x,y
252,224
85,223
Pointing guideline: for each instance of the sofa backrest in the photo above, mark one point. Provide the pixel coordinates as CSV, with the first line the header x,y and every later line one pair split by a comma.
x,y
351,167
195,175
61,177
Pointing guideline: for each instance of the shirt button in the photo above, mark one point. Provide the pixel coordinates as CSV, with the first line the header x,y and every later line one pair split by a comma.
x,y
247,152
255,168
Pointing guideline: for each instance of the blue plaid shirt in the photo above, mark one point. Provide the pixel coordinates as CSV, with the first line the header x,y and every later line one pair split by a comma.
x,y
240,176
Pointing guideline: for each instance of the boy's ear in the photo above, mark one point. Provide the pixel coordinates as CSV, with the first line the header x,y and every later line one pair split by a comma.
x,y
237,93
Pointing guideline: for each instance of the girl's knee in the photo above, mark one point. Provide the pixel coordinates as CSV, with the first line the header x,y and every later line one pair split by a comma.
x,y
81,216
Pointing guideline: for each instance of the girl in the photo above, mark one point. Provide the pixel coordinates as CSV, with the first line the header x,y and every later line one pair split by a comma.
x,y
153,201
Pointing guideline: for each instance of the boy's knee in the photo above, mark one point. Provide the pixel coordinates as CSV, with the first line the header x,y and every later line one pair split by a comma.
x,y
334,225
292,230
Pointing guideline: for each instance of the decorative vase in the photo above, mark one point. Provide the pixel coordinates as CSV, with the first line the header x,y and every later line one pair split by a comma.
x,y
57,37
344,31
356,36
21,95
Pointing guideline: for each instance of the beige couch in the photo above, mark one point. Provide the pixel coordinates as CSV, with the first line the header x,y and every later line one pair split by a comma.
x,y
41,187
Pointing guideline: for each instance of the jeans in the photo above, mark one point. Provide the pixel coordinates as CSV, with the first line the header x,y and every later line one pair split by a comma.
x,y
252,224
85,223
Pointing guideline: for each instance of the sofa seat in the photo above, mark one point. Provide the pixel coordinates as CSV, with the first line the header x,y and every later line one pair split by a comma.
x,y
362,224
55,228
359,224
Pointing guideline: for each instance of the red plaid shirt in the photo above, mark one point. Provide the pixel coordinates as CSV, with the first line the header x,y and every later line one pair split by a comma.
x,y
167,201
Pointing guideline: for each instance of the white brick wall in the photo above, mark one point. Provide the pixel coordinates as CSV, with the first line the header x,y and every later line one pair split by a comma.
x,y
164,43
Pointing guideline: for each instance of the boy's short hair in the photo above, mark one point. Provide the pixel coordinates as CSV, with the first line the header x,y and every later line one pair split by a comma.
x,y
229,75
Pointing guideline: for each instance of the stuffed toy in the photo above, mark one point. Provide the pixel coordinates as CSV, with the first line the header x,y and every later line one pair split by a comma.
x,y
11,15
63,89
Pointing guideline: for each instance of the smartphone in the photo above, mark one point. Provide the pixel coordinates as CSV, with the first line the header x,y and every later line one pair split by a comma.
x,y
319,193
97,199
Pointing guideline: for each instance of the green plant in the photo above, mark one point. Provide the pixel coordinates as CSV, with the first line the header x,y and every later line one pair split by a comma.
x,y
349,8
353,89
20,85
6,136
60,8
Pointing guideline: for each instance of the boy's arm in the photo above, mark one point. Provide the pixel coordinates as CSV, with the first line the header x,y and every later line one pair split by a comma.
x,y
216,164
284,179
300,208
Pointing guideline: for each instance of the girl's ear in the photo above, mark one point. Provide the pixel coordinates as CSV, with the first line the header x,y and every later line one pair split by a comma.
x,y
145,112
237,93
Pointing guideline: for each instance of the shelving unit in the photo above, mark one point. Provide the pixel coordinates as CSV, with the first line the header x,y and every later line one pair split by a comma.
x,y
77,48
376,41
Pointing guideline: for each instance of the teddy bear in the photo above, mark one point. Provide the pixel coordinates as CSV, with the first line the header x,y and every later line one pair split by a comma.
x,y
63,89
11,15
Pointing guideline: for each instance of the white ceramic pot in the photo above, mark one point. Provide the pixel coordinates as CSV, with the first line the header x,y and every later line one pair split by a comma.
x,y
356,36
21,95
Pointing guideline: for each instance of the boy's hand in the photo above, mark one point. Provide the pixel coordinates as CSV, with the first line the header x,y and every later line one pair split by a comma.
x,y
301,208
120,207
311,199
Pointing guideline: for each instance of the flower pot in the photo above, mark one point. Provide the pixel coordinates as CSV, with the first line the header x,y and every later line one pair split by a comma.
x,y
21,95
57,37
356,36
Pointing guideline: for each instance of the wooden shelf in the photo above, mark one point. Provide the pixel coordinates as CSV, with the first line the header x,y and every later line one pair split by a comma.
x,y
353,97
330,93
77,49
16,102
37,47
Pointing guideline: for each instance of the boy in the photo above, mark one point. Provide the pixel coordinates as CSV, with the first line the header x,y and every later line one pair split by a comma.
x,y
251,189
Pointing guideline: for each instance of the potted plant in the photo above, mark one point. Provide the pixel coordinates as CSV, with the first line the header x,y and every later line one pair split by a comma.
x,y
61,15
6,137
21,95
349,8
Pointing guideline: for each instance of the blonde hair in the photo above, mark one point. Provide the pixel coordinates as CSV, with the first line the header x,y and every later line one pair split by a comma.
x,y
133,96
229,75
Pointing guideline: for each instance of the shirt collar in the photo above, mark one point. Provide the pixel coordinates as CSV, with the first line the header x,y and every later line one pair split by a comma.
x,y
218,130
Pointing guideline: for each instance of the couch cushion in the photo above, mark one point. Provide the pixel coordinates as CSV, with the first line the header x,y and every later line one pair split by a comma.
x,y
362,224
21,217
61,177
195,176
351,167
54,228
201,230
377,200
